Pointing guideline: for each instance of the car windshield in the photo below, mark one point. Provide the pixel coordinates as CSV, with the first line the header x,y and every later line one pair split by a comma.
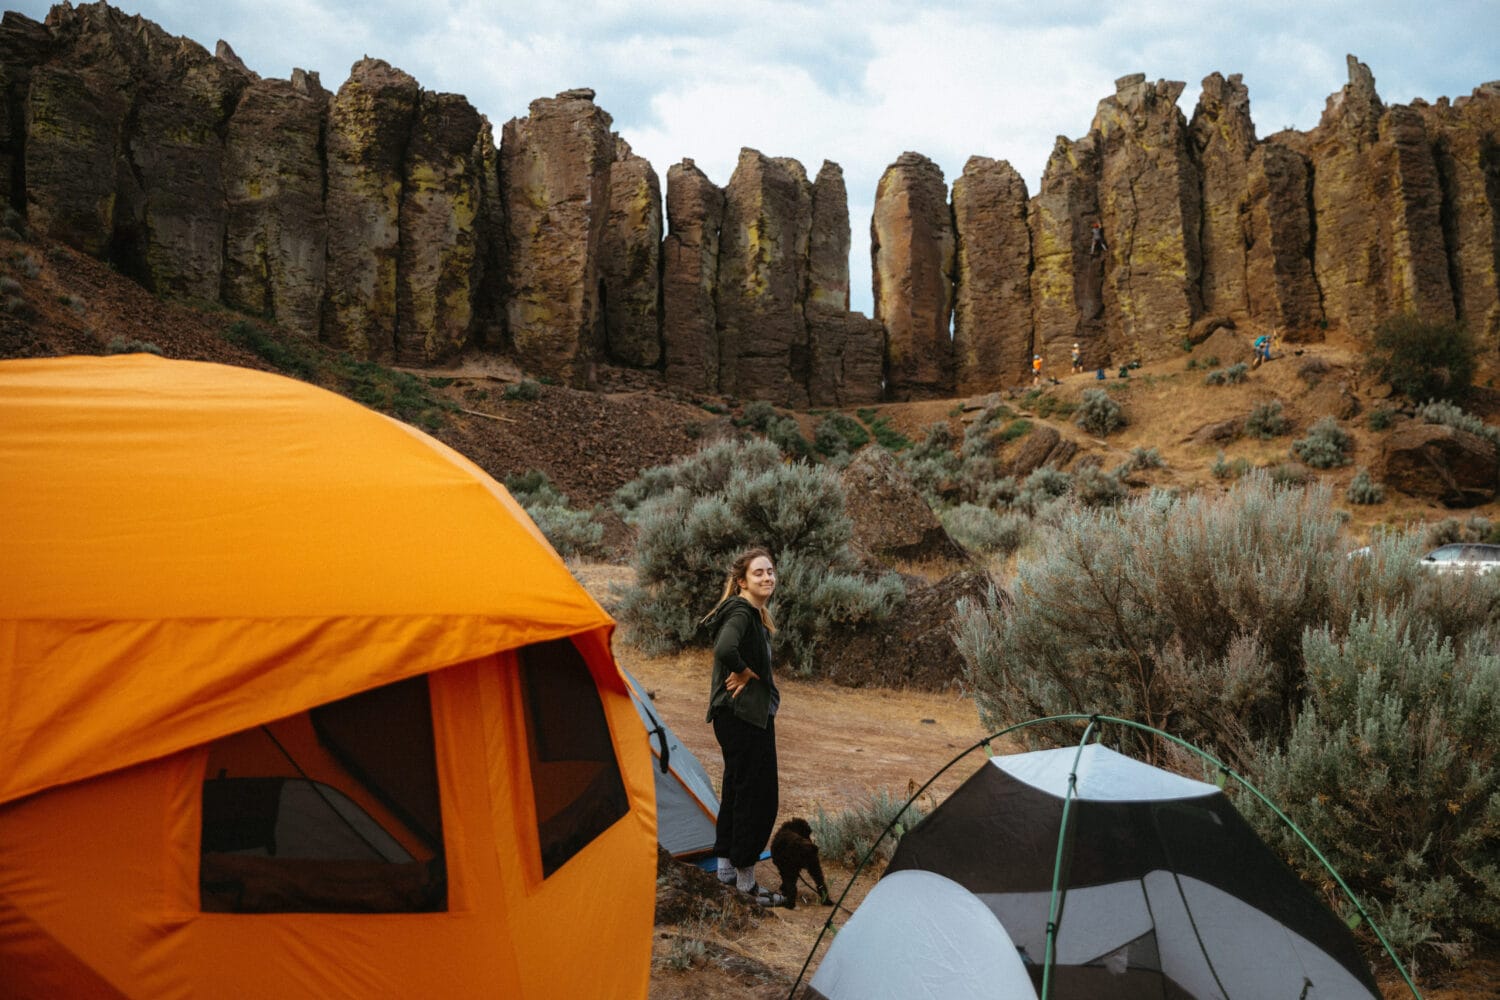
x,y
1447,553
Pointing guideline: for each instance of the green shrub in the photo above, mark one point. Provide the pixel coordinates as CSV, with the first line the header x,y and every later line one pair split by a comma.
x,y
123,345
1017,428
838,434
694,516
1215,377
1267,421
1041,488
1381,418
981,529
1223,468
1288,474
289,359
1327,445
846,836
1392,770
9,286
1097,488
1236,373
1449,415
1423,360
570,532
1474,528
1364,490
782,430
1098,413
1145,458
524,391
887,436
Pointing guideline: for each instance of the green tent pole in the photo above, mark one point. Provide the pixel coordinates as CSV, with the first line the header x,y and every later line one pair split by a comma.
x,y
1062,840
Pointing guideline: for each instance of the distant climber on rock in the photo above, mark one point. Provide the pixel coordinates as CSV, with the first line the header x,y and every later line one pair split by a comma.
x,y
1036,369
1097,232
1077,359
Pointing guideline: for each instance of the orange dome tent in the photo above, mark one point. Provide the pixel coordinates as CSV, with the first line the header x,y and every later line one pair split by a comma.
x,y
296,701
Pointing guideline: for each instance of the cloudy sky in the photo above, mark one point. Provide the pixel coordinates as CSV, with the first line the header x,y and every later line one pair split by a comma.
x,y
856,81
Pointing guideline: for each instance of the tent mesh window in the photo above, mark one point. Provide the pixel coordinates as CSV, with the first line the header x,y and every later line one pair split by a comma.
x,y
574,774
332,811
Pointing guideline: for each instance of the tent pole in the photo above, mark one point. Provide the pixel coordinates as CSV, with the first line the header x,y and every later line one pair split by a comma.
x,y
1062,839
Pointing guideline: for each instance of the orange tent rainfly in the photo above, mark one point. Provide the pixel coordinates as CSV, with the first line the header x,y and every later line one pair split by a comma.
x,y
296,701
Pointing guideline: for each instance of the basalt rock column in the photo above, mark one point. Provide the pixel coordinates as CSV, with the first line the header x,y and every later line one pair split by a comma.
x,y
992,328
1151,205
1466,138
276,234
630,261
24,45
1067,303
762,281
1280,289
554,175
911,256
1377,200
690,261
369,126
828,243
846,350
440,262
1223,137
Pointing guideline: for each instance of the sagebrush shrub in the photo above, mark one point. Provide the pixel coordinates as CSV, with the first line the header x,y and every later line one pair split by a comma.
x,y
1423,360
1327,445
1236,373
984,530
1450,415
524,391
1041,488
1097,488
1098,413
1381,418
1391,771
1223,468
570,532
1364,490
781,429
838,434
1267,421
847,835
694,516
1145,458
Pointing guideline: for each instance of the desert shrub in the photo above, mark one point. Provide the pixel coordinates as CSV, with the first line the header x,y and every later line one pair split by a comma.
x,y
1267,421
983,530
781,429
1381,418
933,465
1288,474
1364,490
524,391
845,836
838,434
570,532
283,357
28,266
1326,445
1236,373
1474,528
1215,377
1017,428
1423,360
1449,415
1098,413
1097,488
1392,768
693,517
9,286
1223,468
998,493
1144,458
124,345
887,436
1041,488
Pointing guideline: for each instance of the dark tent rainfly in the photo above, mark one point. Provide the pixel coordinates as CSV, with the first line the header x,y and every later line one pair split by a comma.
x,y
1165,892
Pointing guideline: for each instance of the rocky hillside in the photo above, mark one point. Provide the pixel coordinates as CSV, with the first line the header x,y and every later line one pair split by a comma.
x,y
385,220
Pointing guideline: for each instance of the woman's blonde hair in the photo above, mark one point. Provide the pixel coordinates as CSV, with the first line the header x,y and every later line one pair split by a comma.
x,y
737,571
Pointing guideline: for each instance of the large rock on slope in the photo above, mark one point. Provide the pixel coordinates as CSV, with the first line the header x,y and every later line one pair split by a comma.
x,y
1151,205
891,519
911,258
276,236
1223,138
554,170
630,261
1433,461
992,331
442,221
369,125
1067,304
762,282
690,262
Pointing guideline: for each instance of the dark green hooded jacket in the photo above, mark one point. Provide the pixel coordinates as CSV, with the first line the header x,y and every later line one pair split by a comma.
x,y
740,641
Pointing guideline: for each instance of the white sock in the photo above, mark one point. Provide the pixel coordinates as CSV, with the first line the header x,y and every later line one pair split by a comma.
x,y
726,870
744,878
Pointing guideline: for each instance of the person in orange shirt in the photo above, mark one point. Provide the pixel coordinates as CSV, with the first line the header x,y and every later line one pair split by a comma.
x,y
1036,369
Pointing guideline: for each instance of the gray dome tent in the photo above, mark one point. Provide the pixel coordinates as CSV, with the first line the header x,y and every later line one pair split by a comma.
x,y
686,806
1165,893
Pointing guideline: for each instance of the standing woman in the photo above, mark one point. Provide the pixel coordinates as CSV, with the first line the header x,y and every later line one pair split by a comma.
x,y
742,707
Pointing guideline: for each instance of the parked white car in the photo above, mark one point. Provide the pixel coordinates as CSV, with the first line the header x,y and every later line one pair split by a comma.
x,y
1461,556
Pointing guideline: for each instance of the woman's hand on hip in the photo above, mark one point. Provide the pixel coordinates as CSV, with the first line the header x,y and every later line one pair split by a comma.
x,y
739,680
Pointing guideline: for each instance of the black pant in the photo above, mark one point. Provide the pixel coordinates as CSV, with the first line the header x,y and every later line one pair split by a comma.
x,y
747,806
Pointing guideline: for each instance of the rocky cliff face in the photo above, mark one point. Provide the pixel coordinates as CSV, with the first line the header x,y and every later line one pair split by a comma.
x,y
384,219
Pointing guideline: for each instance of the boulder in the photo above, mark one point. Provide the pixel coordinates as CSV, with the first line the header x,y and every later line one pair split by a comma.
x,y
1043,446
630,261
442,222
911,257
1223,138
1437,462
912,648
1151,206
276,232
690,261
369,125
992,331
892,520
554,171
763,254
